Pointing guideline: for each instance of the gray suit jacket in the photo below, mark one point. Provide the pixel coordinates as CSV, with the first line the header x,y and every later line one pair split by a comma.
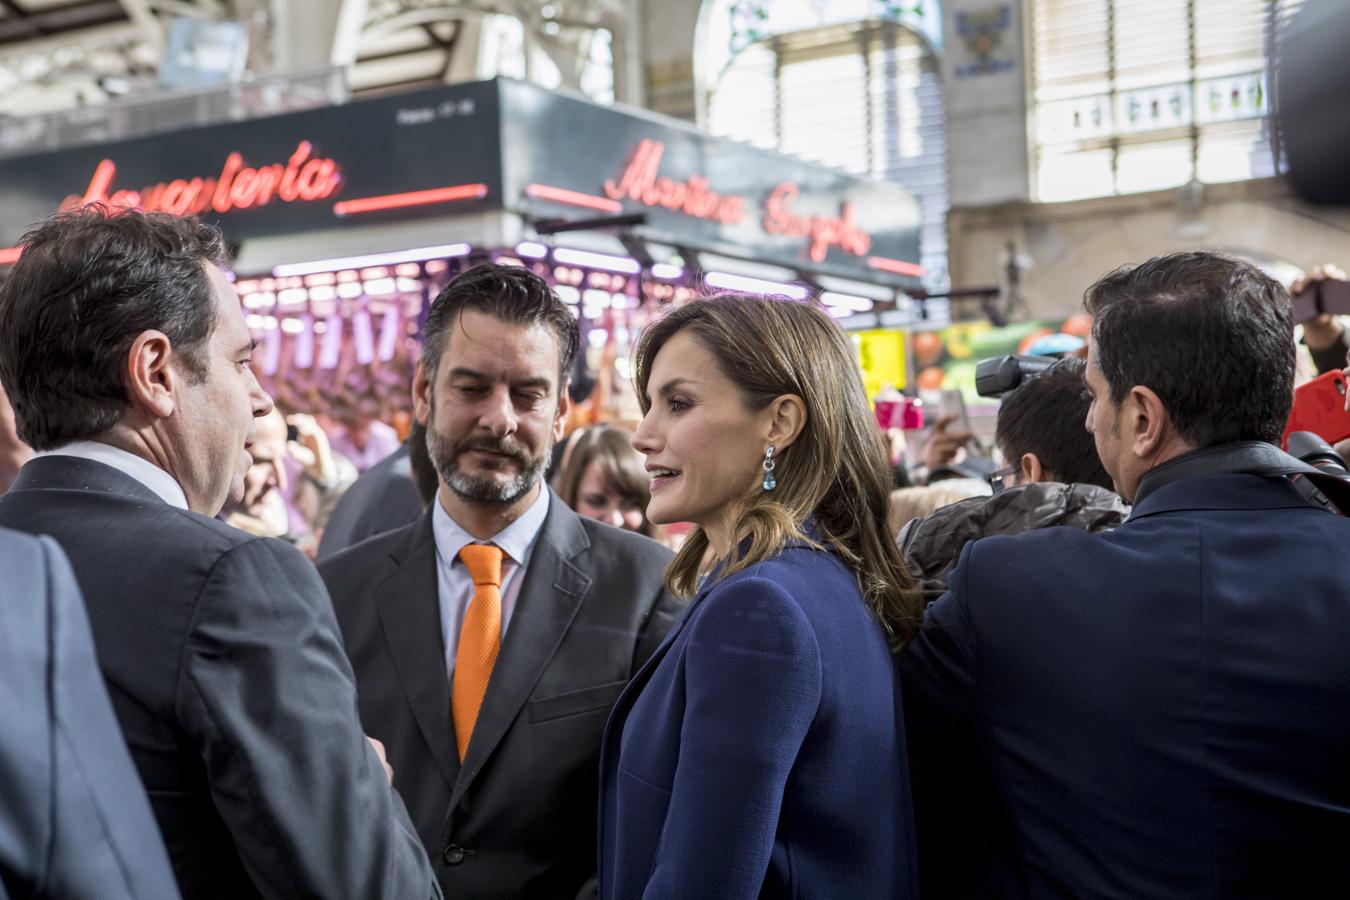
x,y
518,819
74,820
226,671
382,498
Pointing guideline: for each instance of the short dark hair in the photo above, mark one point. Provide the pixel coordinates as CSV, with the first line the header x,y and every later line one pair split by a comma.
x,y
510,293
88,283
1047,416
1211,335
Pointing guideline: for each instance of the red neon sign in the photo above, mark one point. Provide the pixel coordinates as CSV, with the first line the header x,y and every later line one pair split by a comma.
x,y
824,232
303,177
413,198
642,183
573,198
693,197
894,266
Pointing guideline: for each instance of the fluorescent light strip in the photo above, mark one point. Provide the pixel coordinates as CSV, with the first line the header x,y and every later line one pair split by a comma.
x,y
573,198
848,302
894,266
531,250
745,285
667,272
588,260
442,251
412,198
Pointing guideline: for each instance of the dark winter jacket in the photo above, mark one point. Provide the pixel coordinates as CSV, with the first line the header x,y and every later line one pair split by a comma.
x,y
933,544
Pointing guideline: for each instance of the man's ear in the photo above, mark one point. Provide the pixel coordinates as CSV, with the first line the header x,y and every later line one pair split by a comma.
x,y
1148,422
564,410
152,378
1030,469
786,417
421,393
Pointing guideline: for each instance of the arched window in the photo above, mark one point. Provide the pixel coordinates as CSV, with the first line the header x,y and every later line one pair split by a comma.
x,y
852,84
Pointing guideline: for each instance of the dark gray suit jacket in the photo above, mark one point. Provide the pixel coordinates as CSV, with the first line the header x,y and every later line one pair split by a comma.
x,y
74,820
518,819
226,670
382,498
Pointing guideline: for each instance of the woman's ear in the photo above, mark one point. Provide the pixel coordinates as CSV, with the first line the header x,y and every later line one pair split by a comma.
x,y
786,417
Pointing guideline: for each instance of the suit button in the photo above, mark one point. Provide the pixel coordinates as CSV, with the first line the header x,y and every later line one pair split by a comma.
x,y
453,855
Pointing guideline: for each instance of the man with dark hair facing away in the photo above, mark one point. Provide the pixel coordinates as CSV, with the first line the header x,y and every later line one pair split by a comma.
x,y
491,637
1053,477
125,353
1159,710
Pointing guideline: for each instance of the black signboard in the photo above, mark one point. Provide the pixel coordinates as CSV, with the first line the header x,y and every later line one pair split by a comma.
x,y
490,145
344,166
565,154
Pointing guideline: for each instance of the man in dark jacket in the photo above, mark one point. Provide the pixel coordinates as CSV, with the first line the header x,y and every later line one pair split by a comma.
x,y
1156,711
1053,477
127,357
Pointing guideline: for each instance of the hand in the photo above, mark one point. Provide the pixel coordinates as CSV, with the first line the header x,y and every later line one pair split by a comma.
x,y
311,449
379,751
1319,332
944,446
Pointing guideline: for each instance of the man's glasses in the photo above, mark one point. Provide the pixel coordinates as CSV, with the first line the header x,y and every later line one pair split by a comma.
x,y
996,478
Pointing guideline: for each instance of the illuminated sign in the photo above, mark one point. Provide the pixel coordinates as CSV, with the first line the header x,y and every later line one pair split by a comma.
x,y
824,232
304,177
692,197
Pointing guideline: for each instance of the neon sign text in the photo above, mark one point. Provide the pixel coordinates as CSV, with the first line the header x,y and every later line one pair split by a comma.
x,y
303,177
824,232
693,197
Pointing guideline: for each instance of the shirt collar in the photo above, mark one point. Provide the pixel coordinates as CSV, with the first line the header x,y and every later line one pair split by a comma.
x,y
516,540
139,468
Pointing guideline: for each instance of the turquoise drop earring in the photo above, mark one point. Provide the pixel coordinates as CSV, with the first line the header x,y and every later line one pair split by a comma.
x,y
769,481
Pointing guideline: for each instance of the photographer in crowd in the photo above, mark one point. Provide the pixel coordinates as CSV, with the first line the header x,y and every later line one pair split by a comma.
x,y
1157,711
1053,477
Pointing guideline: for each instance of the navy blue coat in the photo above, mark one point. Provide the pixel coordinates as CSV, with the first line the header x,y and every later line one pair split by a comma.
x,y
760,752
74,819
1160,711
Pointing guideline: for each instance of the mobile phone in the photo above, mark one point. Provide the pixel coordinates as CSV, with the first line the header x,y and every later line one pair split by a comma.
x,y
1319,297
1333,296
1319,407
1306,303
953,405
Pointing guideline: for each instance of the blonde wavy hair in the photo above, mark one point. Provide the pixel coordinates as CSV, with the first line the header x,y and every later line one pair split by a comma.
x,y
836,472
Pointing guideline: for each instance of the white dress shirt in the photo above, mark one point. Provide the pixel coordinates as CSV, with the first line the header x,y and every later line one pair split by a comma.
x,y
139,468
454,584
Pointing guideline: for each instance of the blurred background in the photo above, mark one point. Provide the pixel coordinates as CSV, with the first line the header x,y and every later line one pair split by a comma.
x,y
946,176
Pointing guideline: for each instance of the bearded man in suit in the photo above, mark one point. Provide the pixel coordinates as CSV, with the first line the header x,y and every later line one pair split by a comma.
x,y
491,637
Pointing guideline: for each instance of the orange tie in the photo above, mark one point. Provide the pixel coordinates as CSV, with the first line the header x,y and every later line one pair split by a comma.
x,y
480,638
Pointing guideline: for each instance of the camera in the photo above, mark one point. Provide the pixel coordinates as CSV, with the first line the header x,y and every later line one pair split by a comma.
x,y
996,376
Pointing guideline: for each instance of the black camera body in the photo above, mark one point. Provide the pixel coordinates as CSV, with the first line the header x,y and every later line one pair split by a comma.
x,y
997,375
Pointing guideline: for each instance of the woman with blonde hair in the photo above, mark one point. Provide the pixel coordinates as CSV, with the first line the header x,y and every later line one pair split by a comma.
x,y
760,752
602,478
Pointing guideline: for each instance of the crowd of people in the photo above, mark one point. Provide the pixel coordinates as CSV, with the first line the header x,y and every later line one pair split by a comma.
x,y
245,653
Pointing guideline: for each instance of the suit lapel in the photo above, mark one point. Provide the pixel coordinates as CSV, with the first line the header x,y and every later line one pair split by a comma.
x,y
549,598
409,610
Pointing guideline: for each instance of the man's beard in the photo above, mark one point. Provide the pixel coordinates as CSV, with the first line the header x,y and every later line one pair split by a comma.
x,y
485,490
